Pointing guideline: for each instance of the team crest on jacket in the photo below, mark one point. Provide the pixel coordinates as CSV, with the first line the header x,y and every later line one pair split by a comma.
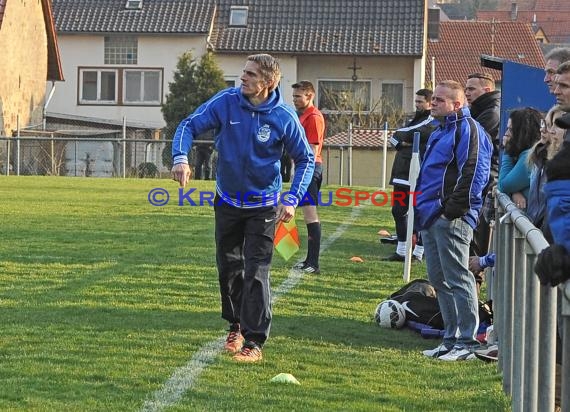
x,y
263,133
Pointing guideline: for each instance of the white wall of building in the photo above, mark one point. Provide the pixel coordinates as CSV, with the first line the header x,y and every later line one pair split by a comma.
x,y
374,69
232,66
87,51
163,52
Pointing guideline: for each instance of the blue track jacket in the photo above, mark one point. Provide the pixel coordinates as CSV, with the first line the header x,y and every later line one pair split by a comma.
x,y
454,171
557,193
250,141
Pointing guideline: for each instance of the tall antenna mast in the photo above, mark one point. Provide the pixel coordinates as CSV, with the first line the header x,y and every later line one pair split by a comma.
x,y
493,37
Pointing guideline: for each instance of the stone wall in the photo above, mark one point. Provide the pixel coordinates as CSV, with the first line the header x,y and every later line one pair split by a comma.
x,y
23,67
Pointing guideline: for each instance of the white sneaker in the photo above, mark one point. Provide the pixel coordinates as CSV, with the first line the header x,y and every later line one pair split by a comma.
x,y
457,354
436,352
307,268
299,265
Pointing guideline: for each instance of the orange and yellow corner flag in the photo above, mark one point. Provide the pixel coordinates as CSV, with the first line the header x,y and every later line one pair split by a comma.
x,y
286,240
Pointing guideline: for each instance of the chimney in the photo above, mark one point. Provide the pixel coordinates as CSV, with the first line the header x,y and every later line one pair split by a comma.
x,y
514,11
433,24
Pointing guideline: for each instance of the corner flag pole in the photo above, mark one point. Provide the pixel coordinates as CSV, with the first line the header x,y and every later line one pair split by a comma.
x,y
412,178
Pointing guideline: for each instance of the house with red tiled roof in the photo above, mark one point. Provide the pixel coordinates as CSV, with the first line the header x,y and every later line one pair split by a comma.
x,y
551,17
120,55
457,51
30,56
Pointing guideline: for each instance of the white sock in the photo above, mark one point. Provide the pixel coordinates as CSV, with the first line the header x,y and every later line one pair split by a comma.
x,y
401,249
419,251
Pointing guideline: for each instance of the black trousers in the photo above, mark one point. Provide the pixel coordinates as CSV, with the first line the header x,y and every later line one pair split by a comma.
x,y
244,248
203,155
400,214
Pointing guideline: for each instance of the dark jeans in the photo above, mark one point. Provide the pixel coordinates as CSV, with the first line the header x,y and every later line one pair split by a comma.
x,y
481,237
244,248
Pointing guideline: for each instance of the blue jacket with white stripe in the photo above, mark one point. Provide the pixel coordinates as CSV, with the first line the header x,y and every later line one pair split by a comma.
x,y
250,141
454,171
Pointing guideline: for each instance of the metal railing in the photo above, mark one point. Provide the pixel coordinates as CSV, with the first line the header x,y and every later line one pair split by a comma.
x,y
101,156
111,155
525,315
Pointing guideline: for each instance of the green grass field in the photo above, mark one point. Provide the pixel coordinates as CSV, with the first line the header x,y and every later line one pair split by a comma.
x,y
105,300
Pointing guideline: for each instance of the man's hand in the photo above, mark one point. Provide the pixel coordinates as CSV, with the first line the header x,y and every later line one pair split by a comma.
x,y
285,213
519,200
181,173
474,265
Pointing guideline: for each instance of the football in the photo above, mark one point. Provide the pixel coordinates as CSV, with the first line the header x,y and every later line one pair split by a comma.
x,y
390,314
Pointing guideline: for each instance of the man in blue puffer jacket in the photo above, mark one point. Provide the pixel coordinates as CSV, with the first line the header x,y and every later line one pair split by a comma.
x,y
254,125
453,174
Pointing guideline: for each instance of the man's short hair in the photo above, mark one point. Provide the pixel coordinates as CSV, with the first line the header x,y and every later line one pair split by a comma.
x,y
427,93
305,86
456,88
563,68
269,67
486,79
560,54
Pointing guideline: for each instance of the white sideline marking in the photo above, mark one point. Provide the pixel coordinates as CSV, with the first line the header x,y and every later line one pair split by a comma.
x,y
186,376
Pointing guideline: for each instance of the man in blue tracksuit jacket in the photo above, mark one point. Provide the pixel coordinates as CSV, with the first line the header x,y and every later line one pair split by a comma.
x,y
254,127
453,174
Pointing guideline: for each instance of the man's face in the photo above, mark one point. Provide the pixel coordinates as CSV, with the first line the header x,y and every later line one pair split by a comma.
x,y
562,90
301,99
474,89
550,73
252,83
421,103
442,103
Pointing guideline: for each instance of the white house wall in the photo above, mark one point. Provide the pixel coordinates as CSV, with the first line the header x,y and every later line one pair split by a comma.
x,y
164,51
232,66
374,69
314,68
87,51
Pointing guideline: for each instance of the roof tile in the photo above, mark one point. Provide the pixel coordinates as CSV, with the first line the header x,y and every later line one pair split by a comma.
x,y
552,16
361,27
363,138
156,16
455,59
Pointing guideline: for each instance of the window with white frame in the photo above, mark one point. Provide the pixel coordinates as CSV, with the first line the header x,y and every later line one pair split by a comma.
x,y
137,86
231,82
238,15
141,86
392,97
339,96
134,4
121,50
98,86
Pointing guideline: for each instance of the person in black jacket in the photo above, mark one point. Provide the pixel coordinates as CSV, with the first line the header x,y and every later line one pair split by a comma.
x,y
402,140
204,152
485,107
